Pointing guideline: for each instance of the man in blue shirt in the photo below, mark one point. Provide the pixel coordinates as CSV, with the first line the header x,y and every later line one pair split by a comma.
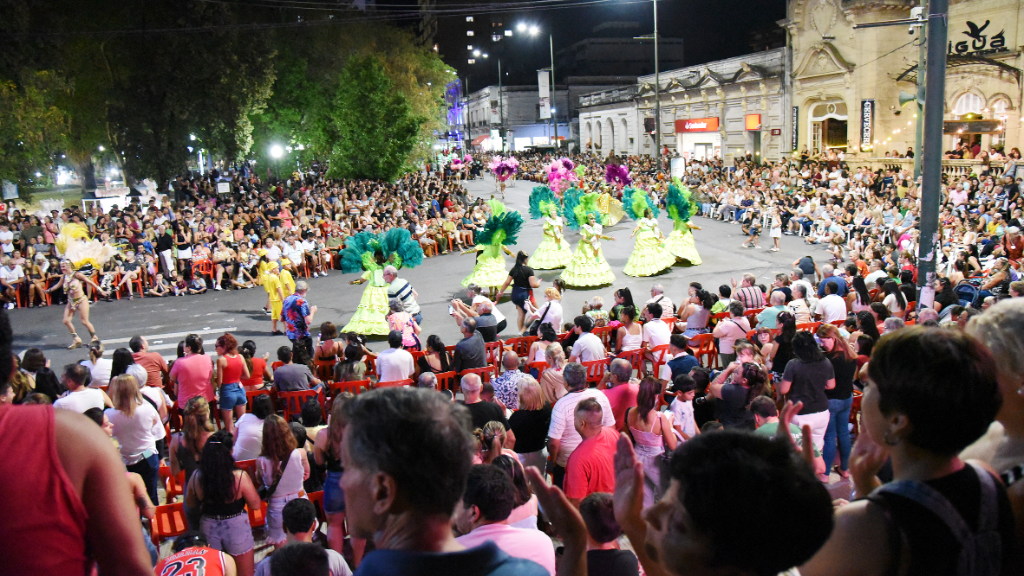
x,y
297,315
828,278
407,453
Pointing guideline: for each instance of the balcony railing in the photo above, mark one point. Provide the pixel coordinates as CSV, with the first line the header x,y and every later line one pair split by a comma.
x,y
951,168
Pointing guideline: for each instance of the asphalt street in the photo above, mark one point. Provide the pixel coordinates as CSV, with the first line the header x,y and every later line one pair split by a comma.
x,y
166,321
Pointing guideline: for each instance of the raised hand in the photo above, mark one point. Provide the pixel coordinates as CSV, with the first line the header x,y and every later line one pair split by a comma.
x,y
866,460
629,485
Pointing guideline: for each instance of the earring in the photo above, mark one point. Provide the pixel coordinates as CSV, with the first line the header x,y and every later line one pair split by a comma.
x,y
889,441
1020,391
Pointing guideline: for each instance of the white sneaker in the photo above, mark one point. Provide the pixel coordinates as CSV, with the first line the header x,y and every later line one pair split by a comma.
x,y
10,305
324,274
315,275
217,287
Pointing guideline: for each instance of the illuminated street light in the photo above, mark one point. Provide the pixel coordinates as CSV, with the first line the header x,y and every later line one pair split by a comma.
x,y
192,137
102,148
520,27
534,30
476,53
276,151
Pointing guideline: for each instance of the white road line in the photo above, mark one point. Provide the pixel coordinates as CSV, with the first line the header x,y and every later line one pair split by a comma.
x,y
172,335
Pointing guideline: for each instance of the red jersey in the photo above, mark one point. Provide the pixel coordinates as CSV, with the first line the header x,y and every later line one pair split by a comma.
x,y
192,562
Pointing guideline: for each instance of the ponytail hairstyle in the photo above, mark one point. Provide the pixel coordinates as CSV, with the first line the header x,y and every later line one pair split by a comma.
x,y
491,437
756,379
195,420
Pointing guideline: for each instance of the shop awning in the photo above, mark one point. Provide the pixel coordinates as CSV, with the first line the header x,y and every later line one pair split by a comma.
x,y
479,139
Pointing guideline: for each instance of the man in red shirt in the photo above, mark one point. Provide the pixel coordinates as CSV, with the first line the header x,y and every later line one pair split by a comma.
x,y
154,363
590,467
621,390
193,557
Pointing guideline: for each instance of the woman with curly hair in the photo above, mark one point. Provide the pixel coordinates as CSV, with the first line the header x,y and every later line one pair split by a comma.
x,y
282,466
222,492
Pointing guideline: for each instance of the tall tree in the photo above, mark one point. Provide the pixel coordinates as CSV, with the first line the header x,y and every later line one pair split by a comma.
x,y
33,128
375,124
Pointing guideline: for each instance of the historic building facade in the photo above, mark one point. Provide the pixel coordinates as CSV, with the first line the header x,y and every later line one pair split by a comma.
x,y
844,83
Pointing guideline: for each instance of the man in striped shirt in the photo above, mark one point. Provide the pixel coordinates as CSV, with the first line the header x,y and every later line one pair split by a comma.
x,y
747,293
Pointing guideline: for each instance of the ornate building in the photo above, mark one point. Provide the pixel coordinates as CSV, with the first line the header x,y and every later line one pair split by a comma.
x,y
844,83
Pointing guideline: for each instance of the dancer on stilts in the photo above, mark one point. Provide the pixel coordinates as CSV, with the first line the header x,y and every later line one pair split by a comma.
x,y
650,255
553,251
79,250
371,253
588,267
501,229
680,208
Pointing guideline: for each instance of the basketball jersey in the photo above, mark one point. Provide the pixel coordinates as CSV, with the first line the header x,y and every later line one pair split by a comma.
x,y
192,562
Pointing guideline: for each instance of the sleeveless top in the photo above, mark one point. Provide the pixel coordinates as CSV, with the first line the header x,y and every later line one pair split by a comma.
x,y
233,370
36,488
222,509
632,341
647,443
193,562
698,319
187,460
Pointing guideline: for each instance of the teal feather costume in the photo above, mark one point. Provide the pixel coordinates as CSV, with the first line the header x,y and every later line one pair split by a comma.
x,y
553,251
370,253
502,229
680,208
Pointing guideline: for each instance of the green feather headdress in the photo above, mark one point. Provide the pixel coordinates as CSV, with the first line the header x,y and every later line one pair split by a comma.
x,y
678,202
397,244
587,206
636,202
502,228
541,201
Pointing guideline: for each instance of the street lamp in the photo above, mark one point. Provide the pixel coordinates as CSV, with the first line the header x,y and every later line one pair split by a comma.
x,y
534,30
276,151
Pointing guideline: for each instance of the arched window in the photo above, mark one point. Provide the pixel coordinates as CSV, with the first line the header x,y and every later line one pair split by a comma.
x,y
968,103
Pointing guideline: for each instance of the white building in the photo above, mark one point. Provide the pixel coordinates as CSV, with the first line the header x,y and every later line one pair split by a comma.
x,y
727,108
518,111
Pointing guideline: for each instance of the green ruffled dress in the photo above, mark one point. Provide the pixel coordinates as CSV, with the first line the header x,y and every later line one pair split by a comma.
x,y
370,318
681,243
490,268
553,251
588,267
649,255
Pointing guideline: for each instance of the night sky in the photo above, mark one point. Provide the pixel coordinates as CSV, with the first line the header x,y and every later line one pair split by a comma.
x,y
711,29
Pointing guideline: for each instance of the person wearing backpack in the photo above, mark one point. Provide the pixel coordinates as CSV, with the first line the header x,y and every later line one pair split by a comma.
x,y
930,394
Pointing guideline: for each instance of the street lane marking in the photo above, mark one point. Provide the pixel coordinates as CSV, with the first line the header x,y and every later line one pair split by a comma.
x,y
172,335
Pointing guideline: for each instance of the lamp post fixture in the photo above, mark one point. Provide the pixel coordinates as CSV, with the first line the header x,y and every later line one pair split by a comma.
x,y
657,88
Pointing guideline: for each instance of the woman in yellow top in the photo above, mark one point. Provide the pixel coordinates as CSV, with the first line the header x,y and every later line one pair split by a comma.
x,y
275,289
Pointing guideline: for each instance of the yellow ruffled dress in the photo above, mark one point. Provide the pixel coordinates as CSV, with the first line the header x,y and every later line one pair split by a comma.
x,y
681,243
588,267
370,318
649,255
490,268
611,209
553,251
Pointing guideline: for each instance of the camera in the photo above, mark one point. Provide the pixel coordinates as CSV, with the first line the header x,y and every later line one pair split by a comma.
x,y
700,401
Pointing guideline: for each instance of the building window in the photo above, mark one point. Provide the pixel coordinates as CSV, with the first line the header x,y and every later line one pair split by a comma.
x,y
469,32
495,37
469,47
968,104
469,18
472,60
508,33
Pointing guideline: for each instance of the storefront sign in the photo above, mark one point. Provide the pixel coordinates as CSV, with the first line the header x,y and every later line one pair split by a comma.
x,y
697,125
776,131
979,42
752,121
867,124
795,139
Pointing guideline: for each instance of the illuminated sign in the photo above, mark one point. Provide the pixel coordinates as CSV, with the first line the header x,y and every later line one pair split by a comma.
x,y
753,121
697,125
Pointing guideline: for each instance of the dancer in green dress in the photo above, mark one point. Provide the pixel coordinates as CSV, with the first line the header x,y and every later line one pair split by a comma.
x,y
500,230
371,253
650,255
553,251
680,208
588,267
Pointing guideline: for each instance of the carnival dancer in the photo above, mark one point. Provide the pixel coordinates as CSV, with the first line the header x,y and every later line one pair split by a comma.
x,y
588,267
553,251
501,230
371,253
680,208
649,255
503,169
80,252
78,302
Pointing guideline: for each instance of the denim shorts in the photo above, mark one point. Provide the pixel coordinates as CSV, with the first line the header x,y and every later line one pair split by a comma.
x,y
334,496
231,395
520,296
232,535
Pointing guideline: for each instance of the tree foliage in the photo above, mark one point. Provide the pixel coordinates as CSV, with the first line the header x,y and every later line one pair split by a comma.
x,y
33,128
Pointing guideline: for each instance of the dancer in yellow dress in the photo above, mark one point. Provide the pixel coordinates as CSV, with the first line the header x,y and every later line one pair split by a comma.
x,y
588,267
366,251
553,251
501,229
650,255
680,208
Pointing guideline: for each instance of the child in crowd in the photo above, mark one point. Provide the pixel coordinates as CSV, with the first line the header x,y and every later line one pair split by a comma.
x,y
682,391
198,285
180,287
160,286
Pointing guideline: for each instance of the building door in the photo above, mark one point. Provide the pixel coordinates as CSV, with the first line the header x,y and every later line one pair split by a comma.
x,y
828,126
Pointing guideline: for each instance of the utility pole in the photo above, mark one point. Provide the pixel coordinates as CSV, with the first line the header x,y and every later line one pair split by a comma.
x,y
554,91
657,91
938,24
921,59
501,109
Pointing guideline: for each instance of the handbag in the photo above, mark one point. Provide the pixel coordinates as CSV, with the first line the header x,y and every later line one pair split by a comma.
x,y
266,492
535,325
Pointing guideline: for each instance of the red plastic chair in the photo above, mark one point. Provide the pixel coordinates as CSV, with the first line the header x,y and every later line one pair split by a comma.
x,y
855,412
394,383
291,402
249,467
658,353
485,373
317,498
494,352
257,518
203,268
540,367
371,366
634,357
448,381
174,486
251,395
521,345
596,370
808,327
605,334
354,387
168,522
325,369
140,289
705,350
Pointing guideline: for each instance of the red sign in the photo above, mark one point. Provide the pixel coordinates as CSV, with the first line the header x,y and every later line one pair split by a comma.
x,y
776,131
697,125
753,121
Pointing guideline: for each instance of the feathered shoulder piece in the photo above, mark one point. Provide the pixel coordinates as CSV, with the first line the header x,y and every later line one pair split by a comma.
x,y
617,174
355,247
588,206
569,201
502,228
542,200
497,208
401,248
636,201
678,203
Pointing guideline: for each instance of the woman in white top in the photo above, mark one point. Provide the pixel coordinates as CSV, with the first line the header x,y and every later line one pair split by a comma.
x,y
249,429
894,299
549,313
629,336
547,336
283,462
133,420
98,366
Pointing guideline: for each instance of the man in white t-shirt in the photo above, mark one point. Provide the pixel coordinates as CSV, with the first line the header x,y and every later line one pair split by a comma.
x,y
588,347
80,398
656,332
832,307
11,278
683,422
395,363
6,239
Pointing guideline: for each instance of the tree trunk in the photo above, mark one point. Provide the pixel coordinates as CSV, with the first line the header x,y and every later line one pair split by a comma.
x,y
87,173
